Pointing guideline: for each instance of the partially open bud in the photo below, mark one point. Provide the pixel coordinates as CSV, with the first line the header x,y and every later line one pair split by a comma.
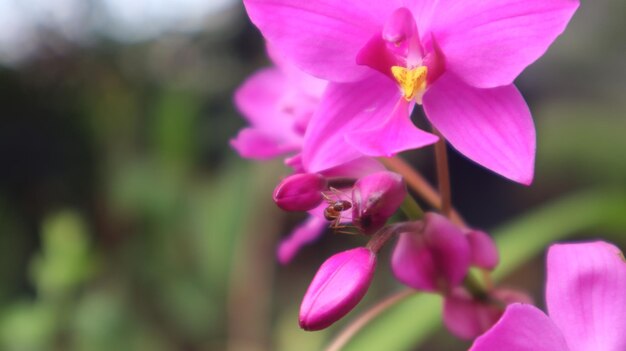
x,y
376,197
300,192
436,259
484,251
339,284
468,318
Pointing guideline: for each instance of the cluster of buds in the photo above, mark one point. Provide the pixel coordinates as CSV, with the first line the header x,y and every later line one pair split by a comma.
x,y
431,255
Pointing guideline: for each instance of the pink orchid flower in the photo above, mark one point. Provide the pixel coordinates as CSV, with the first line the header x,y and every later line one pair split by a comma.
x,y
278,102
586,299
458,58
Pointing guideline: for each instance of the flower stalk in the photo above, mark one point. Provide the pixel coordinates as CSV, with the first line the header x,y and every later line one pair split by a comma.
x,y
443,174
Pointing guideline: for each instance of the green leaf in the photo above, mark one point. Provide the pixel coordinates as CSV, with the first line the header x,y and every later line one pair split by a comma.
x,y
65,260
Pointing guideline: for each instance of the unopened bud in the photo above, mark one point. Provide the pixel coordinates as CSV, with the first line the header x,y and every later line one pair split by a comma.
x,y
484,251
436,259
338,286
376,197
300,192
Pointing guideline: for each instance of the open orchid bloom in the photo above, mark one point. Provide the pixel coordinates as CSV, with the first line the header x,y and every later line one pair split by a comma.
x,y
457,58
586,298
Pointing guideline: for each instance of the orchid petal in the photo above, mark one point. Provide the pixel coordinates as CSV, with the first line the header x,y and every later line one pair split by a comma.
x,y
357,168
492,127
484,251
254,144
376,55
303,82
302,235
423,11
489,42
395,135
346,107
375,198
522,328
259,101
262,101
322,37
586,295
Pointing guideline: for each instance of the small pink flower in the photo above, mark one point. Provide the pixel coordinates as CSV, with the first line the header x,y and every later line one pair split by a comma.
x,y
338,286
586,298
278,102
434,259
458,58
376,197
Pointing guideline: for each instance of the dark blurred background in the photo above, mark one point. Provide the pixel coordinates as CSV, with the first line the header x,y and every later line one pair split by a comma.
x,y
127,222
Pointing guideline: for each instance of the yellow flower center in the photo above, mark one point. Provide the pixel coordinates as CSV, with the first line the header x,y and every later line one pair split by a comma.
x,y
412,81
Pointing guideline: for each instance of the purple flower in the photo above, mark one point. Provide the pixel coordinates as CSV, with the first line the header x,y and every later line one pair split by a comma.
x,y
586,299
458,58
338,286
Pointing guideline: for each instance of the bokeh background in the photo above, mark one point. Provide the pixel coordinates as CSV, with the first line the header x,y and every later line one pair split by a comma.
x,y
127,222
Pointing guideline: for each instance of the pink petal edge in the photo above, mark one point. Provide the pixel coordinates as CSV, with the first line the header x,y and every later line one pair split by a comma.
x,y
488,43
586,295
304,234
321,37
522,328
492,127
346,107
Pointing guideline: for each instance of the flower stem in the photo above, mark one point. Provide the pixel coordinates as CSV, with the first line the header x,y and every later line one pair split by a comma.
x,y
443,174
419,184
475,287
346,334
380,238
412,209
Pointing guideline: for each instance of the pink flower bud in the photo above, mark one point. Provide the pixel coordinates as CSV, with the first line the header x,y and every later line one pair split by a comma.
x,y
484,251
468,318
376,197
339,284
435,259
300,192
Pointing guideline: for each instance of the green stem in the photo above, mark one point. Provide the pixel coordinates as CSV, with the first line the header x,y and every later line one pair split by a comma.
x,y
412,209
